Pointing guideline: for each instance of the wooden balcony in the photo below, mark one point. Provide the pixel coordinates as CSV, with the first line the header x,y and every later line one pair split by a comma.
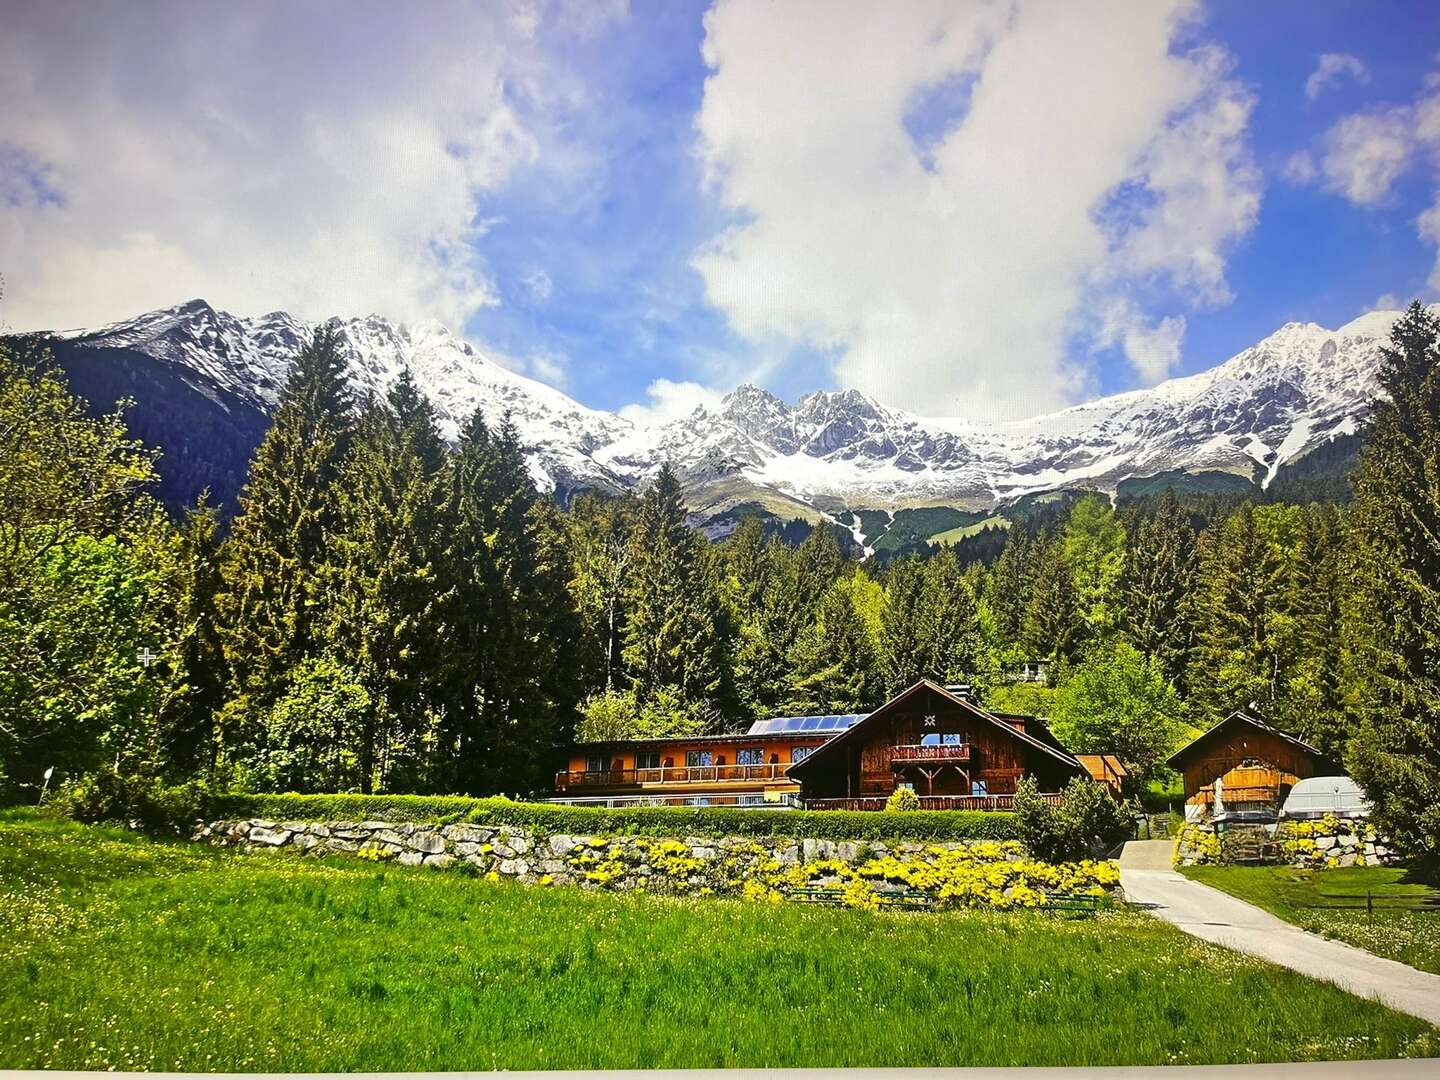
x,y
958,753
697,774
932,802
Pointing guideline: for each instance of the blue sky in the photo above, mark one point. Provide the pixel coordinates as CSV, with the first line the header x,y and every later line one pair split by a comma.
x,y
983,210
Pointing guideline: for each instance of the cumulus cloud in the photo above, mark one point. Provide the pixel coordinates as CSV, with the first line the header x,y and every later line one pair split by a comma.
x,y
1097,157
1153,348
671,401
1365,153
326,158
1331,69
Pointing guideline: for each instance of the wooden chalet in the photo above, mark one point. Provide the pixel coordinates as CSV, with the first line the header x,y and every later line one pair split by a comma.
x,y
1256,765
1105,769
953,753
703,770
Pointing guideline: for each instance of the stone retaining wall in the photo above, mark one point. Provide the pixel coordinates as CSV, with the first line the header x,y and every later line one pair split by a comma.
x,y
1318,845
561,858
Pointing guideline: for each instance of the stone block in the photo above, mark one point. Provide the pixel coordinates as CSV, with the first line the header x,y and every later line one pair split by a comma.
x,y
269,836
1324,843
1348,859
431,843
410,858
514,867
560,844
440,861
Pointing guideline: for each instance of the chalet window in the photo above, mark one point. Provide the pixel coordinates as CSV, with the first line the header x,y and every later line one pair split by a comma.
x,y
697,758
930,740
800,753
952,738
702,801
979,787
647,759
595,764
751,755
750,800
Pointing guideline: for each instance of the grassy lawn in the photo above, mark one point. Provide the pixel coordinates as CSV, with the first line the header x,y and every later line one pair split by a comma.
x,y
1412,937
120,952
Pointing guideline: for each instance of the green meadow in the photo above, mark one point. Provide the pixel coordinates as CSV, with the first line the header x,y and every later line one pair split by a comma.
x,y
126,953
1296,895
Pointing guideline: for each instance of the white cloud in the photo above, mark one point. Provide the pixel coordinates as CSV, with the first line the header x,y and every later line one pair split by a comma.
x,y
1365,153
1153,348
1300,168
327,159
1331,69
537,282
1386,302
671,401
1096,155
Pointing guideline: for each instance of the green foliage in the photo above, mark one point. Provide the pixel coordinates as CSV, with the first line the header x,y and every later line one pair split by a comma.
x,y
146,802
613,715
1395,755
833,660
903,798
1156,585
313,734
1093,543
1119,702
1087,823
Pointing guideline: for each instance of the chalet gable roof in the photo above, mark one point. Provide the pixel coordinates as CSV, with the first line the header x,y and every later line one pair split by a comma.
x,y
1178,759
850,733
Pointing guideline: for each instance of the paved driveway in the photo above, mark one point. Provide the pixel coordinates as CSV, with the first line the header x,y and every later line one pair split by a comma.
x,y
1219,917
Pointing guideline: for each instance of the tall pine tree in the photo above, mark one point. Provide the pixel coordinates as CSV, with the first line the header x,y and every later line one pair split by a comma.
x,y
1396,752
1155,586
273,562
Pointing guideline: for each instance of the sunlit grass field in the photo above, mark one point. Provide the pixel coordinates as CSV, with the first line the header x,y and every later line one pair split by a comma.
x,y
1412,937
120,952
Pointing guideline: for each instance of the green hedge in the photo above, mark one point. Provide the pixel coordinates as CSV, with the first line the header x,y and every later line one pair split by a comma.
x,y
650,821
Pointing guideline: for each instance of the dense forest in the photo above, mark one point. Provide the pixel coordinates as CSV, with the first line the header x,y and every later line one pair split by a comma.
x,y
387,612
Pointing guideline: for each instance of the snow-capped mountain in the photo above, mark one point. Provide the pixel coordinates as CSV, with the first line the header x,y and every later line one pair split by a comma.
x,y
250,358
1272,403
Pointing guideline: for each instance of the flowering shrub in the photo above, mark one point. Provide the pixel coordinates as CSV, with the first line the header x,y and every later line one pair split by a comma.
x,y
991,874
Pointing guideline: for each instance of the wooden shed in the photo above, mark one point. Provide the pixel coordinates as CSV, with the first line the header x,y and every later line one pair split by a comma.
x,y
1256,764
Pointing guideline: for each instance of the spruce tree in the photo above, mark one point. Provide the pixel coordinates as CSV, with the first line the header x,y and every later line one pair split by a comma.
x,y
1315,705
511,628
383,596
1008,589
833,665
598,536
1241,598
1052,626
197,690
1155,586
1396,514
670,640
273,562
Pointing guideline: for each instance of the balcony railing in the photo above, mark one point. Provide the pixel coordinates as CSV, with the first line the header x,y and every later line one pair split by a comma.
x,y
1265,793
943,752
694,774
932,802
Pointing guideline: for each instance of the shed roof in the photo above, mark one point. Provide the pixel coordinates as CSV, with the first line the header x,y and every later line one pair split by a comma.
x,y
1238,718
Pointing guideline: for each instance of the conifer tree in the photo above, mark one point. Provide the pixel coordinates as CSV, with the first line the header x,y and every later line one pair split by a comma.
x,y
1008,589
833,668
1051,629
273,563
1156,583
670,639
1315,705
1395,754
197,690
383,598
1242,594
598,535
1093,541
510,623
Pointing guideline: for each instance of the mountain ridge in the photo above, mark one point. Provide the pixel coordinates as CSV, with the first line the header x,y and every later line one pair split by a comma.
x,y
830,451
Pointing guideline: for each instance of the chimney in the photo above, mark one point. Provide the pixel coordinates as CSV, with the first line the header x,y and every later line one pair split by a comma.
x,y
959,689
